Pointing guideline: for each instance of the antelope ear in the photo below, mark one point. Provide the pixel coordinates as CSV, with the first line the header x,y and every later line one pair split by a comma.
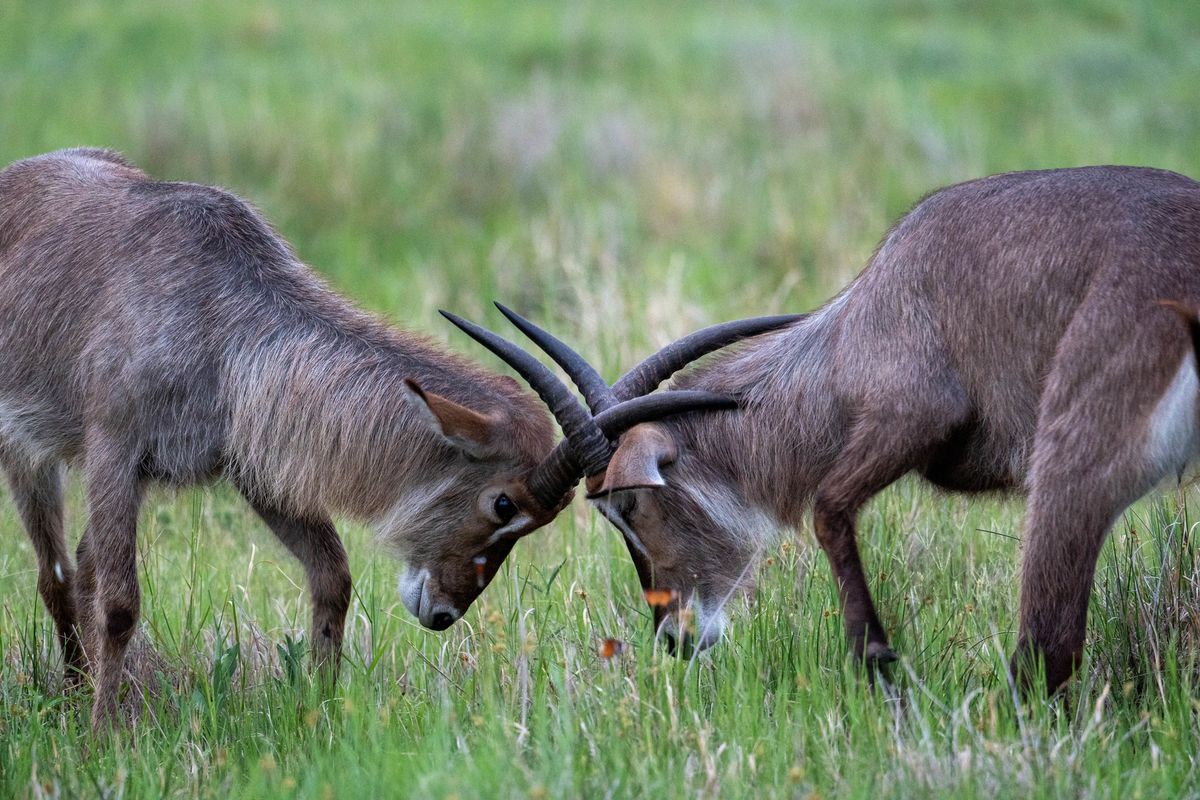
x,y
473,432
637,464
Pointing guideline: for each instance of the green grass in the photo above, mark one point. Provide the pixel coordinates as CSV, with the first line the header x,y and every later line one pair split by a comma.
x,y
623,172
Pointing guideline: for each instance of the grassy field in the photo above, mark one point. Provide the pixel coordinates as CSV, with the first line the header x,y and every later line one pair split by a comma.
x,y
622,172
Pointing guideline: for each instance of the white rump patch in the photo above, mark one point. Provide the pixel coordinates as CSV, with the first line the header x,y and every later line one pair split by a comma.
x,y
1173,435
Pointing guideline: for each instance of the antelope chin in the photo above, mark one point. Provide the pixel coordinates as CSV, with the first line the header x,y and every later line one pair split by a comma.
x,y
690,639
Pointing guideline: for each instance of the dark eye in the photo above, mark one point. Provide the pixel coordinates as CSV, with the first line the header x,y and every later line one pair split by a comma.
x,y
504,507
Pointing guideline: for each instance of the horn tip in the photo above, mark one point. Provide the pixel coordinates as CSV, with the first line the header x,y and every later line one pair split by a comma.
x,y
512,316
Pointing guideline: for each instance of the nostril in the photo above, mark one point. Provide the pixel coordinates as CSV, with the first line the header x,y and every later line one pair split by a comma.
x,y
441,620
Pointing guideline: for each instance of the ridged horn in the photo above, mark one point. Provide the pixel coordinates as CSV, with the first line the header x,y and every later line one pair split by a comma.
x,y
589,446
559,472
646,376
595,390
586,446
648,408
555,476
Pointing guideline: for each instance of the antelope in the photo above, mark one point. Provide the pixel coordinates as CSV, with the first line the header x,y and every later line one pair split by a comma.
x,y
161,333
1006,336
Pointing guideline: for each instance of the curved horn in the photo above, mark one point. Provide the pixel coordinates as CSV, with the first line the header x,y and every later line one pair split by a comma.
x,y
556,475
646,376
616,420
586,448
595,390
560,471
589,445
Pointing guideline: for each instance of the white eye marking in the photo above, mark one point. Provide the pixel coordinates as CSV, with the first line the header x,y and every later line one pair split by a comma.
x,y
514,524
616,519
58,572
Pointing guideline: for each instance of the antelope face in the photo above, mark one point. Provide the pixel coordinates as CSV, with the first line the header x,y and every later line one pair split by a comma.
x,y
456,529
692,538
679,540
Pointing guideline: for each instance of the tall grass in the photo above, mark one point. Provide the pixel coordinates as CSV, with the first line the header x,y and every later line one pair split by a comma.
x,y
622,172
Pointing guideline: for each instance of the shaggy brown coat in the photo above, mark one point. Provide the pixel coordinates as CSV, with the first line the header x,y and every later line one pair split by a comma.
x,y
158,332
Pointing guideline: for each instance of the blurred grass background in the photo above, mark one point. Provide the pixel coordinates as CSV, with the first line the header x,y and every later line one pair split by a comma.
x,y
623,172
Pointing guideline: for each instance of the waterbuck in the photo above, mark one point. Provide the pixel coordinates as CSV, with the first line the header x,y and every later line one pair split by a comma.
x,y
1007,335
163,333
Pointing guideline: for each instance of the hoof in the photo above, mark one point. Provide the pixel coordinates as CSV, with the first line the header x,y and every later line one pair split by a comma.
x,y
879,654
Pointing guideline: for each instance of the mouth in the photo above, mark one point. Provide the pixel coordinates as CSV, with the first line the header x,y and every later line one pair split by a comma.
x,y
415,594
688,631
412,589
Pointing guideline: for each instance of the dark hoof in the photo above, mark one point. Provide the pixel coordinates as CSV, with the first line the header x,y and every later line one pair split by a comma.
x,y
1032,668
879,654
74,680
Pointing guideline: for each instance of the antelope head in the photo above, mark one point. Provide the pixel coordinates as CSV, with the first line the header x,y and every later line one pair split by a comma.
x,y
507,481
678,537
458,525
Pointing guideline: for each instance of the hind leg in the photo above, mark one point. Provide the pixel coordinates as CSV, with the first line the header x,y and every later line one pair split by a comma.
x,y
1068,517
108,593
1079,486
1114,422
37,492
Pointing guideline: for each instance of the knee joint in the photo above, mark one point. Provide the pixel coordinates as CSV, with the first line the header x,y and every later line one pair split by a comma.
x,y
828,513
119,622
